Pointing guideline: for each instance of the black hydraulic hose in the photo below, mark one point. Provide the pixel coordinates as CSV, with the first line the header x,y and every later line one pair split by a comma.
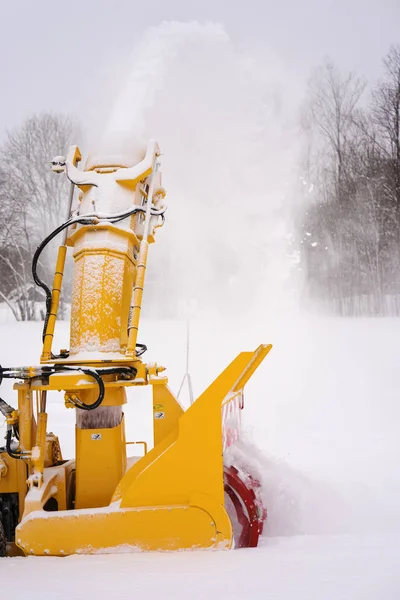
x,y
131,371
91,373
9,450
141,349
39,282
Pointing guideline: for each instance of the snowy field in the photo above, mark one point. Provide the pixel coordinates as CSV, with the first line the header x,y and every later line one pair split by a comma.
x,y
323,415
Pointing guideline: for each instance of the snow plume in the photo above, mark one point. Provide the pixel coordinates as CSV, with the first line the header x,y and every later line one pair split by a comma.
x,y
144,77
219,117
296,504
299,504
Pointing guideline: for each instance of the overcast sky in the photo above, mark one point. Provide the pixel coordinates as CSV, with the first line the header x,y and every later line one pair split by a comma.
x,y
53,53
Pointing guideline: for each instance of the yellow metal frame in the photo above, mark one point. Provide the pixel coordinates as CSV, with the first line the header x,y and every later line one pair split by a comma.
x,y
173,496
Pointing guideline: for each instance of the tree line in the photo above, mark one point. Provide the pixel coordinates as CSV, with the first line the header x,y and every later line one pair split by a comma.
x,y
348,224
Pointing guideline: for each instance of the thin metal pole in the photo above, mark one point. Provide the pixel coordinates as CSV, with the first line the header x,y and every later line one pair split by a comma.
x,y
70,200
187,374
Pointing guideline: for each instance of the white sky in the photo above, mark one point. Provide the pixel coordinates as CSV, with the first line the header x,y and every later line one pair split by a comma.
x,y
53,53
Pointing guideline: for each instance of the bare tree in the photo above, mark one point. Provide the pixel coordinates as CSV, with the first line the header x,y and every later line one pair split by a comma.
x,y
32,204
333,100
386,110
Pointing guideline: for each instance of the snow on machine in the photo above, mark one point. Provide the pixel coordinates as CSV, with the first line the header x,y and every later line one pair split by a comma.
x,y
179,494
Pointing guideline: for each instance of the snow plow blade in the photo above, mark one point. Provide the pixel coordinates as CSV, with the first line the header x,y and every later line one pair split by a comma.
x,y
170,499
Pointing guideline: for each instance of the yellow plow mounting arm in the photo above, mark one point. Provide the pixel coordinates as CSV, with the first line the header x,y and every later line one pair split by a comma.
x,y
170,499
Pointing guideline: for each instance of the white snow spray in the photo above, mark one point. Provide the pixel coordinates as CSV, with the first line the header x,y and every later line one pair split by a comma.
x,y
218,117
144,76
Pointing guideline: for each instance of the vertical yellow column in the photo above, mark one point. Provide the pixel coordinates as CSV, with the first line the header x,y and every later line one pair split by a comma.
x,y
55,300
38,451
137,298
103,282
27,425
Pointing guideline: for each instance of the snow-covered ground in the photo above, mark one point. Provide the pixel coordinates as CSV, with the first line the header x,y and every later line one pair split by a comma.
x,y
296,568
323,415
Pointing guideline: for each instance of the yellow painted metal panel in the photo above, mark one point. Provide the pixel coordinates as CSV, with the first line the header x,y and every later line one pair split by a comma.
x,y
166,412
100,301
14,479
100,464
54,485
111,529
189,459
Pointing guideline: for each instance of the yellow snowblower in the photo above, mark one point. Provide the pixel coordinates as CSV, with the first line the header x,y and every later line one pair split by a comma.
x,y
178,495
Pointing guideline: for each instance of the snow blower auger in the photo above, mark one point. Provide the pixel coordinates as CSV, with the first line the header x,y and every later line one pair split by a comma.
x,y
174,497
